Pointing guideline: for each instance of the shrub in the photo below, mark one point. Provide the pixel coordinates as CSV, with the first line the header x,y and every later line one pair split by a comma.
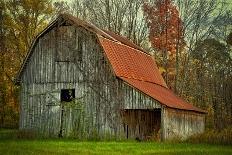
x,y
213,136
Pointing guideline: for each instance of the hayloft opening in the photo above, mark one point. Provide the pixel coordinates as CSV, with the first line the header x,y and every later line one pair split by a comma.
x,y
142,123
67,95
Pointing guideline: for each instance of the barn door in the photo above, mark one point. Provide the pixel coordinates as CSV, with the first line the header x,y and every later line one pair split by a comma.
x,y
141,123
67,97
71,116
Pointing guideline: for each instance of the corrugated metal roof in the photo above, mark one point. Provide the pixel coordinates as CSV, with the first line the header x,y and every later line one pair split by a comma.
x,y
131,63
139,70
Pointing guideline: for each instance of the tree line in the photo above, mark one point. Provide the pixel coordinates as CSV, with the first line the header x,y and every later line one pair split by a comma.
x,y
191,42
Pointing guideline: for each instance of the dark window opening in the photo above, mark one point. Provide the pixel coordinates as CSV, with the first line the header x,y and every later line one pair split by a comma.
x,y
67,95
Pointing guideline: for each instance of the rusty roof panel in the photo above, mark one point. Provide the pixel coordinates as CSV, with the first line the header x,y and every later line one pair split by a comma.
x,y
131,63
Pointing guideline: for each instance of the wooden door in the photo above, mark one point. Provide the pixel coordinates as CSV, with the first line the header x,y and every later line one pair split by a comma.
x,y
141,123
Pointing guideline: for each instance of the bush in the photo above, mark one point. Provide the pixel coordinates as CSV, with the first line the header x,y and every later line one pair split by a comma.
x,y
213,136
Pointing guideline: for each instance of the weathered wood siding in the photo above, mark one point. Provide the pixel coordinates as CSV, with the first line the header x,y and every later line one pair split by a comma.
x,y
181,124
56,63
100,96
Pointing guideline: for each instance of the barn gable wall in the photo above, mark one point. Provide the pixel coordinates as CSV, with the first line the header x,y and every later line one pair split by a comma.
x,y
100,96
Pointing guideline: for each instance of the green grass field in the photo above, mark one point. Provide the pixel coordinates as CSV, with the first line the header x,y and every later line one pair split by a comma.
x,y
11,145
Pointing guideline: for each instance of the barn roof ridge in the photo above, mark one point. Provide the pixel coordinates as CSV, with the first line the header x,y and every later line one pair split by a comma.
x,y
118,42
104,33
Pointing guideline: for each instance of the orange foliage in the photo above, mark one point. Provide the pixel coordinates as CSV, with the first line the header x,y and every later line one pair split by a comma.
x,y
165,25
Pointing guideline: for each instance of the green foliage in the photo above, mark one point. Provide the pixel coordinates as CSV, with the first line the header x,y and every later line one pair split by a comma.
x,y
229,39
6,134
208,81
211,51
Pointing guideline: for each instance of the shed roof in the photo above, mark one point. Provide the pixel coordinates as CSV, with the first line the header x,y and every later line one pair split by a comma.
x,y
129,62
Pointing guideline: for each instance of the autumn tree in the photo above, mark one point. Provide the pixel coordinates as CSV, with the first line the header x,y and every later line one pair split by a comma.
x,y
21,21
165,34
2,53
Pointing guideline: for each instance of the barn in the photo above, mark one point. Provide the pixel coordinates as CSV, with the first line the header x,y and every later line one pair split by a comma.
x,y
80,81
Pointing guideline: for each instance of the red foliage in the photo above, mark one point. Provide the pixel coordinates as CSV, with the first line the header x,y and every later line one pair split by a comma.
x,y
165,25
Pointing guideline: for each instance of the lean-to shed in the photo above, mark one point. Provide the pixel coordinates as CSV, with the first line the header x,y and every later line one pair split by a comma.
x,y
80,81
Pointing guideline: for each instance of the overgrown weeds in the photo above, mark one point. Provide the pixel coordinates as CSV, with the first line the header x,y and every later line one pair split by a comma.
x,y
212,136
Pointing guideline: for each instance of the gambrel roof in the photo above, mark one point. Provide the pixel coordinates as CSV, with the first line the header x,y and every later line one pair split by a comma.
x,y
139,70
129,62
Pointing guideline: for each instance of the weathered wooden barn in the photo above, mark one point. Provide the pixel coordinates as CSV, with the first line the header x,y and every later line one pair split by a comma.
x,y
80,81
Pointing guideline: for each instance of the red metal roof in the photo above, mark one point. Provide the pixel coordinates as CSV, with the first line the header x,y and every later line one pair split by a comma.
x,y
124,40
131,63
139,70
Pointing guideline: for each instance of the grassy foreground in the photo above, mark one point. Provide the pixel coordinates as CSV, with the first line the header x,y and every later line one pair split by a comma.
x,y
9,145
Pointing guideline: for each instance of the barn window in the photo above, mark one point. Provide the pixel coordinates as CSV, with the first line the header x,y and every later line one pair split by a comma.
x,y
67,95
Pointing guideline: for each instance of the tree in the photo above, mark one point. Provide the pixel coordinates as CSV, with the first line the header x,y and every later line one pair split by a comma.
x,y
25,19
21,21
202,19
165,32
123,17
2,64
229,39
213,73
